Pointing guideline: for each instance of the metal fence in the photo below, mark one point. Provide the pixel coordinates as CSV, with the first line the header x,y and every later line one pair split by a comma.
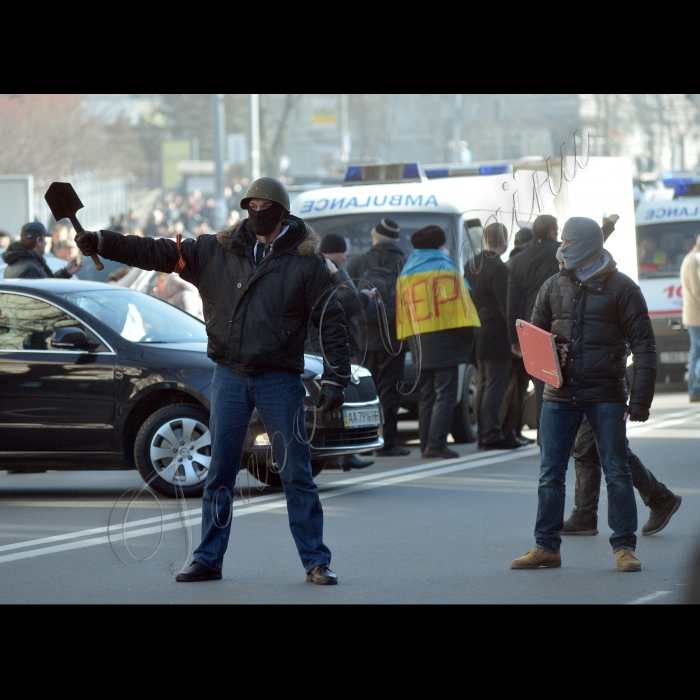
x,y
103,197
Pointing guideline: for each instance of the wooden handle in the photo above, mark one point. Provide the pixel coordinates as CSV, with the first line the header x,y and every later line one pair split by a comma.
x,y
79,231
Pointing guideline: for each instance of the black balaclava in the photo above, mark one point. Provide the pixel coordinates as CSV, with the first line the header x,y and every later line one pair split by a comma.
x,y
262,223
588,242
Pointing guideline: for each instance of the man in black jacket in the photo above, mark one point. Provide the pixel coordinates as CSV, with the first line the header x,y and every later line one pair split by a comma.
x,y
487,275
25,257
597,315
385,356
260,282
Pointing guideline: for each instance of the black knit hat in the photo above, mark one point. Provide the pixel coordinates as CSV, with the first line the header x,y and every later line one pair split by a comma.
x,y
333,243
523,237
32,230
428,237
388,228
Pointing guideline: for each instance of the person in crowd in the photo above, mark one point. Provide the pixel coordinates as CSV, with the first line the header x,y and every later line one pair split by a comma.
x,y
25,258
65,249
687,246
381,265
528,271
663,503
334,250
650,256
690,279
597,314
261,283
439,341
184,295
522,239
5,239
118,274
487,275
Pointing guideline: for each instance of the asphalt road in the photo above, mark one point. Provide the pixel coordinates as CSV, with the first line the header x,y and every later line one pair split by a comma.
x,y
406,530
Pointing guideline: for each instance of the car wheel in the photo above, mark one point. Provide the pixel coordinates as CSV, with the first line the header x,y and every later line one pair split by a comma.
x,y
264,469
464,427
173,450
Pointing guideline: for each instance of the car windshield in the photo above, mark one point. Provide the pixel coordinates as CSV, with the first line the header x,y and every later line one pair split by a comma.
x,y
138,317
356,228
662,247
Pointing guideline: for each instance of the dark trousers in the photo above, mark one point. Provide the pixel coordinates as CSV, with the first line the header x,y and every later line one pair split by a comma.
x,y
494,376
279,398
559,426
588,470
438,398
516,396
387,371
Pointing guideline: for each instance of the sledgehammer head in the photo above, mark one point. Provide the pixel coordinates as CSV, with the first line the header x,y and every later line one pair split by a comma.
x,y
63,201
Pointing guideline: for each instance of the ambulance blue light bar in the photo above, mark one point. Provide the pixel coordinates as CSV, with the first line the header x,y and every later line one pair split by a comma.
x,y
433,172
383,172
680,181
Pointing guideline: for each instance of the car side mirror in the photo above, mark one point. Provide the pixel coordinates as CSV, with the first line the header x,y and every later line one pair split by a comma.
x,y
70,338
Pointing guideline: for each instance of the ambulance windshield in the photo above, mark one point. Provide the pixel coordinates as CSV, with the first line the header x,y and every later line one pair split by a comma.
x,y
356,228
662,247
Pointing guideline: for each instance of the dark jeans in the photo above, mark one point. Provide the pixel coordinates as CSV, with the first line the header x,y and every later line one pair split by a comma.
x,y
559,425
438,398
279,398
588,470
387,372
516,396
494,376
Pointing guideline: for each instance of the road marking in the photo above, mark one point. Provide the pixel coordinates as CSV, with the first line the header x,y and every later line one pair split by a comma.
x,y
650,597
338,488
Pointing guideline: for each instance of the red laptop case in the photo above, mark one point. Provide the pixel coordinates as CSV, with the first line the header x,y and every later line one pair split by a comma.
x,y
539,353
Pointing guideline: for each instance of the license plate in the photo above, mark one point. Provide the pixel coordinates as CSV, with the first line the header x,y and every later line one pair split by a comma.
x,y
672,358
361,417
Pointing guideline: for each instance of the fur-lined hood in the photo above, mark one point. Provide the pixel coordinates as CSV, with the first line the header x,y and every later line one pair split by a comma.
x,y
239,238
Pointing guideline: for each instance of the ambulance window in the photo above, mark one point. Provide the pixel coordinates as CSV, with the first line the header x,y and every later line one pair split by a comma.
x,y
662,247
356,228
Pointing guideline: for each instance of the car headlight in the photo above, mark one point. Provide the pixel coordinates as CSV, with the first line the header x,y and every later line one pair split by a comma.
x,y
262,440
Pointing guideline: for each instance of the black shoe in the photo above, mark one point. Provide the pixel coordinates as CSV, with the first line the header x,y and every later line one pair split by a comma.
x,y
392,452
27,471
571,527
197,572
356,462
444,453
523,440
509,443
659,517
322,576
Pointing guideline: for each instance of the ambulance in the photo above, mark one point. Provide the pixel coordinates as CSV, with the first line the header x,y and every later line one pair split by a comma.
x,y
463,200
667,229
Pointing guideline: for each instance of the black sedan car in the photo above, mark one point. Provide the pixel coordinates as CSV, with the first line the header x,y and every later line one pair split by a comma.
x,y
95,376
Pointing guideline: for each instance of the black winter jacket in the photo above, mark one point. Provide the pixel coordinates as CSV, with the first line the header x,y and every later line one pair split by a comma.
x,y
489,293
392,258
601,319
441,349
23,263
256,317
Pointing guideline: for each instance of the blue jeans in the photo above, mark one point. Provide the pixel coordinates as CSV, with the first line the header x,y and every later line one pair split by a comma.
x,y
558,428
694,361
279,398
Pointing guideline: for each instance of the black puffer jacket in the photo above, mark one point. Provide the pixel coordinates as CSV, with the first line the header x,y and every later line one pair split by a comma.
x,y
392,258
601,319
256,317
23,263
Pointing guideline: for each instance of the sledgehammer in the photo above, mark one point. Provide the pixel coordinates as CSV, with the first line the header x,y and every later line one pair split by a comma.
x,y
64,204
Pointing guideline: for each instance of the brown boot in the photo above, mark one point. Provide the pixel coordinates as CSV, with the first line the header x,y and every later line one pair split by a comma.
x,y
659,517
627,561
537,558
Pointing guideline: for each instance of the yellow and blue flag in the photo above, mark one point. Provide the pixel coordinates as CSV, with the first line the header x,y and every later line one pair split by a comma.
x,y
431,295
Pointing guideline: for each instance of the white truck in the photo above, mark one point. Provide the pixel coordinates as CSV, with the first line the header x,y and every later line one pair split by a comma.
x,y
463,199
667,227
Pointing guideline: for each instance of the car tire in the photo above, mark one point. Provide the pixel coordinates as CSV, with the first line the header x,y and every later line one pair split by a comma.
x,y
268,474
173,450
464,425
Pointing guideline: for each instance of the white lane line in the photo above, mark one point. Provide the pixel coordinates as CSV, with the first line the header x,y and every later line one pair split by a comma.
x,y
650,597
666,423
392,478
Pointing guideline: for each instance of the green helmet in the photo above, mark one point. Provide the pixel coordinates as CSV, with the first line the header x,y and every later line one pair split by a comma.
x,y
267,188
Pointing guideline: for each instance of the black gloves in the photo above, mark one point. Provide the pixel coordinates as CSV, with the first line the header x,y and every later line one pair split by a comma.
x,y
638,414
330,397
87,242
